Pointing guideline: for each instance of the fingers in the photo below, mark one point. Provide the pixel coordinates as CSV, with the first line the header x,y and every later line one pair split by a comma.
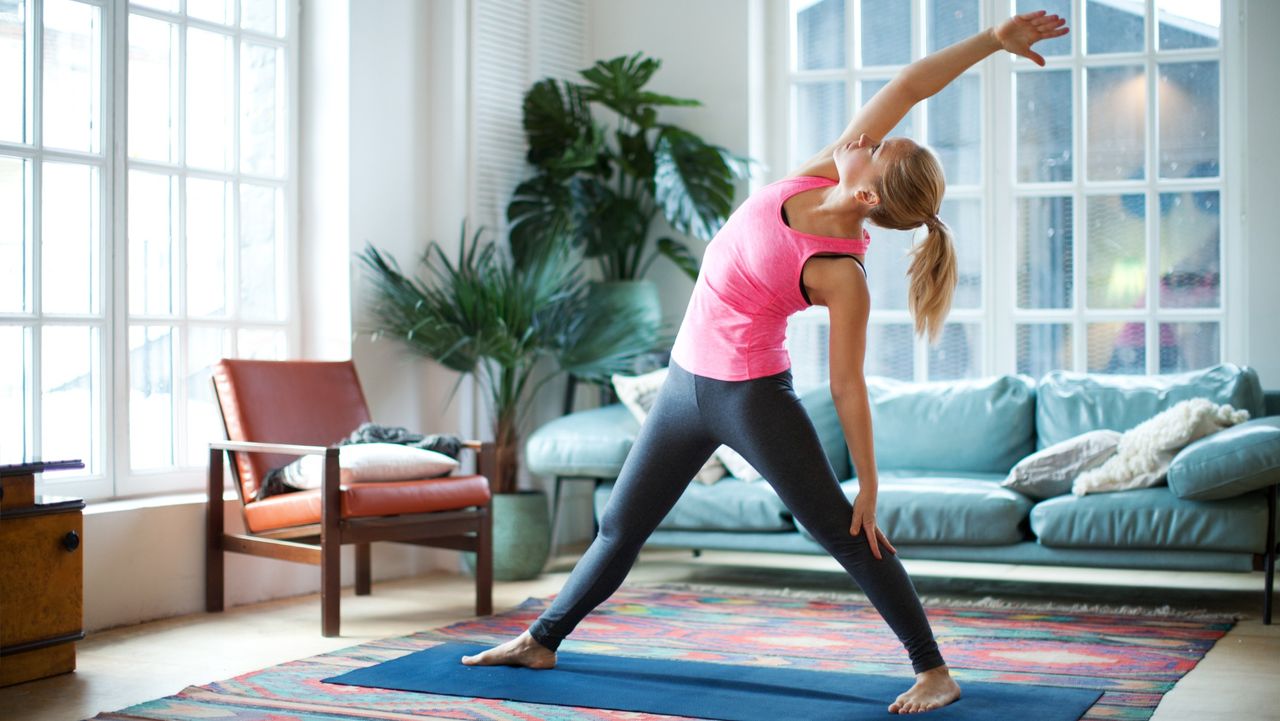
x,y
874,541
885,540
1032,15
1035,57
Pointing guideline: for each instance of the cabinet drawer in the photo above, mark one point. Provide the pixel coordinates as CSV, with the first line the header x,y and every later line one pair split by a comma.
x,y
40,579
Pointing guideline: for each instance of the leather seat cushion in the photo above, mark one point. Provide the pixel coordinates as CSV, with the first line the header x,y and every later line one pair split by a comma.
x,y
360,500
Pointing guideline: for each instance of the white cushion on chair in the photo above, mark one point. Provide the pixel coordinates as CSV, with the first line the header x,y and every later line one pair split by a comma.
x,y
370,462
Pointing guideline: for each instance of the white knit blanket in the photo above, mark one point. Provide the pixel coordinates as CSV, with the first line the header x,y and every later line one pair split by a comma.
x,y
1142,458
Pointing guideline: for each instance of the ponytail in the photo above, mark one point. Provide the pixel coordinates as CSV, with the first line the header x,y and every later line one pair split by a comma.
x,y
933,279
910,193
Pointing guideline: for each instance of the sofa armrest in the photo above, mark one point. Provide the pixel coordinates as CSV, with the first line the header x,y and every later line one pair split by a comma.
x,y
1229,463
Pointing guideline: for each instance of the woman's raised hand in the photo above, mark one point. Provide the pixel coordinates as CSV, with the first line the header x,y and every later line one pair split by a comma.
x,y
1020,32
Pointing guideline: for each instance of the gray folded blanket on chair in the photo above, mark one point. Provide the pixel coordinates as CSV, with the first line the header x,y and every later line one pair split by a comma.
x,y
449,445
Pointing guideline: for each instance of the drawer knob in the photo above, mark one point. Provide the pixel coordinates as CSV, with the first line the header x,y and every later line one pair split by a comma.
x,y
71,541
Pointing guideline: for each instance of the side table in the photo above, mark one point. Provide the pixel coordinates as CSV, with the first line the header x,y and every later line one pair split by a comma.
x,y
41,576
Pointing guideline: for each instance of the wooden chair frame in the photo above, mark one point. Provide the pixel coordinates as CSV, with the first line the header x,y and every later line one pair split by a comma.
x,y
320,543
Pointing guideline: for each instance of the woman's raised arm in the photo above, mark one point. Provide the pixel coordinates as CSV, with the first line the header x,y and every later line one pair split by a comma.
x,y
932,73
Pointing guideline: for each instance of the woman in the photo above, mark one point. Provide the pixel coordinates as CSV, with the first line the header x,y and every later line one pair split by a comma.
x,y
796,242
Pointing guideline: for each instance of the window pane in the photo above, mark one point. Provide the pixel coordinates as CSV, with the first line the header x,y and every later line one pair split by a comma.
x,y
262,15
951,21
1117,122
15,259
808,344
1044,126
1114,26
821,115
208,245
153,250
1061,8
1116,251
70,238
206,346
261,97
1188,346
958,353
1188,119
819,42
71,395
15,361
151,396
1188,23
15,81
965,219
890,351
1116,348
218,11
261,237
906,126
1190,267
1043,347
262,344
955,130
1045,246
153,89
887,263
886,32
166,5
72,75
209,99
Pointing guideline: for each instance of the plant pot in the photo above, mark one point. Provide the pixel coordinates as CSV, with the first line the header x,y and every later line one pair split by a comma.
x,y
640,296
521,536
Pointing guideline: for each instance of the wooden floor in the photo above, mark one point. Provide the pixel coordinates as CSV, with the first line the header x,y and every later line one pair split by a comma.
x,y
1239,679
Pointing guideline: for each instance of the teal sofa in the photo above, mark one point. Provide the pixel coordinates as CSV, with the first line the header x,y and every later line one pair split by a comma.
x,y
942,450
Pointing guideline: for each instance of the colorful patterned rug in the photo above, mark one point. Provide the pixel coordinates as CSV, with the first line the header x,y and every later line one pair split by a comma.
x,y
1132,659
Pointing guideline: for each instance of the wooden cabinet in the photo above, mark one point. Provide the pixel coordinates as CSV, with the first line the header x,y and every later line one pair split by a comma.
x,y
41,577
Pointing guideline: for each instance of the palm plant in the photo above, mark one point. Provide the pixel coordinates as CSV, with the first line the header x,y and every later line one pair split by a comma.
x,y
481,315
603,190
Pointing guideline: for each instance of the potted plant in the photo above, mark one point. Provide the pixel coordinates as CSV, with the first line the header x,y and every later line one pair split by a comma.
x,y
481,315
603,188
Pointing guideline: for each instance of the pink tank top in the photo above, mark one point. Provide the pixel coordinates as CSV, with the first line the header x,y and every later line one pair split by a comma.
x,y
736,322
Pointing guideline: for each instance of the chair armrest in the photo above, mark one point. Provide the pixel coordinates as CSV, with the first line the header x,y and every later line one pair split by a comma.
x,y
283,448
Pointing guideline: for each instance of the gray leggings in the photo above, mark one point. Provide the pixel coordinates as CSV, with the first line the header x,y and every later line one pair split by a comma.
x,y
763,420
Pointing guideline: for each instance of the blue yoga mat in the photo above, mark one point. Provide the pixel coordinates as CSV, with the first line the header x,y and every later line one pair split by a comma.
x,y
704,690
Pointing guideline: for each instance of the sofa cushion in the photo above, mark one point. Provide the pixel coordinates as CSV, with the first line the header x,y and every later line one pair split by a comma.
x,y
1237,460
1069,403
980,425
727,505
592,444
1151,518
936,507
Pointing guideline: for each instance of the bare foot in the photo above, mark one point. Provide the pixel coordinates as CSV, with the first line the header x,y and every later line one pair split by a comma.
x,y
933,689
519,651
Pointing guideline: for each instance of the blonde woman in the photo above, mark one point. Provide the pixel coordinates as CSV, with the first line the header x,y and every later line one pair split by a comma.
x,y
796,242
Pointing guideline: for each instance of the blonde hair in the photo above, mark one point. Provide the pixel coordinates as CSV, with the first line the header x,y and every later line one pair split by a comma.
x,y
911,191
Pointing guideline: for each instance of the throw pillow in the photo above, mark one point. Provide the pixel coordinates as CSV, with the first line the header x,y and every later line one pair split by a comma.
x,y
370,462
1049,471
1230,463
1143,455
638,394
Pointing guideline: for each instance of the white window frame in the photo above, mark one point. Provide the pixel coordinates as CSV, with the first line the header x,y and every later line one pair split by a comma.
x,y
191,477
114,476
996,314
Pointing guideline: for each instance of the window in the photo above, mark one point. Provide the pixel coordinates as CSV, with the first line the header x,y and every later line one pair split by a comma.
x,y
146,232
1084,196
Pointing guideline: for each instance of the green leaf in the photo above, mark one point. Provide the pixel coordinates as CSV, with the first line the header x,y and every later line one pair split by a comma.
x,y
679,254
693,182
617,82
539,212
603,221
559,127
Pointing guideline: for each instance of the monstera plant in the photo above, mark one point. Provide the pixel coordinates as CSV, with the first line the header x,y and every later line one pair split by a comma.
x,y
603,186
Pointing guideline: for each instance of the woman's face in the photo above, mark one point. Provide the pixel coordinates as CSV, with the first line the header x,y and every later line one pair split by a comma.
x,y
861,163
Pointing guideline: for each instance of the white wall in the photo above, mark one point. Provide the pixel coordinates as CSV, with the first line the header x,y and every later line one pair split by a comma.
x,y
1261,211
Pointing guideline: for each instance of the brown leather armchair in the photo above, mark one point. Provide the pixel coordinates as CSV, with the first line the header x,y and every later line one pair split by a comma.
x,y
274,411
